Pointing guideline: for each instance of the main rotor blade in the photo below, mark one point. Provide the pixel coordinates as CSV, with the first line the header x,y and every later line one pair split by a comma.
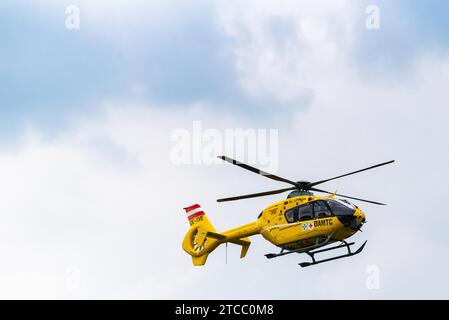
x,y
258,171
254,195
341,195
347,174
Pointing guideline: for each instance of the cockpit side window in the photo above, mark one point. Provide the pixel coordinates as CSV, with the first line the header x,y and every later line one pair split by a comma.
x,y
320,209
305,212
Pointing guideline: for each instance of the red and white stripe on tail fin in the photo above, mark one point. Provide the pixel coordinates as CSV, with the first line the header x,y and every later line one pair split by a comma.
x,y
194,211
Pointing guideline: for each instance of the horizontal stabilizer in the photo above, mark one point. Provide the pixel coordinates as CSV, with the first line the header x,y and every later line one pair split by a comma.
x,y
244,242
241,242
215,235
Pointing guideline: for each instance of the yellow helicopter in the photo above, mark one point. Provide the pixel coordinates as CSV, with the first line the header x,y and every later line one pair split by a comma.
x,y
302,223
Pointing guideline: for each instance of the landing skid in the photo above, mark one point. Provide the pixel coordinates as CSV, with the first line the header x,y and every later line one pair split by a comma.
x,y
344,244
302,250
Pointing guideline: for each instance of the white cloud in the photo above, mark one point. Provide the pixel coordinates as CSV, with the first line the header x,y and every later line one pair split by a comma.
x,y
284,50
96,197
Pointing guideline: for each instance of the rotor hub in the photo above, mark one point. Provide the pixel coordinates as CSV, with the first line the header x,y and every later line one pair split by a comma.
x,y
302,185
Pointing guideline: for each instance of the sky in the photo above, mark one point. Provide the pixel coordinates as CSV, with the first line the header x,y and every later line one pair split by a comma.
x,y
91,198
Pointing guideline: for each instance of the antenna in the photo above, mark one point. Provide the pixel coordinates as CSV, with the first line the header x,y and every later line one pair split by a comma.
x,y
226,259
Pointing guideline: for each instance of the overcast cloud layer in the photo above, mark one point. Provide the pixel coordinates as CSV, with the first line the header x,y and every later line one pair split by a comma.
x,y
91,202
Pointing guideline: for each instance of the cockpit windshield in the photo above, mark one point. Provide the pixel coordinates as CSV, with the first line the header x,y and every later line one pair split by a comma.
x,y
344,201
341,208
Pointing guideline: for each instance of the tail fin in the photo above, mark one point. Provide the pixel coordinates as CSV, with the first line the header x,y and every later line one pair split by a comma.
x,y
202,238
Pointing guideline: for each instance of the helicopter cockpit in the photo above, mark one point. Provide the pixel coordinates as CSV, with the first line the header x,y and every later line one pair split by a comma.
x,y
320,209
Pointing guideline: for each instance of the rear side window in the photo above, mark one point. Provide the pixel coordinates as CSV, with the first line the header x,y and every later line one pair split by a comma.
x,y
290,215
300,213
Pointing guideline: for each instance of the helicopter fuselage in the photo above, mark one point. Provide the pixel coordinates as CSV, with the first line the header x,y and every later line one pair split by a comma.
x,y
302,232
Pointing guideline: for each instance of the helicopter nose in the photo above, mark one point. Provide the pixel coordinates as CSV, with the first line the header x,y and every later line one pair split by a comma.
x,y
354,220
359,219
